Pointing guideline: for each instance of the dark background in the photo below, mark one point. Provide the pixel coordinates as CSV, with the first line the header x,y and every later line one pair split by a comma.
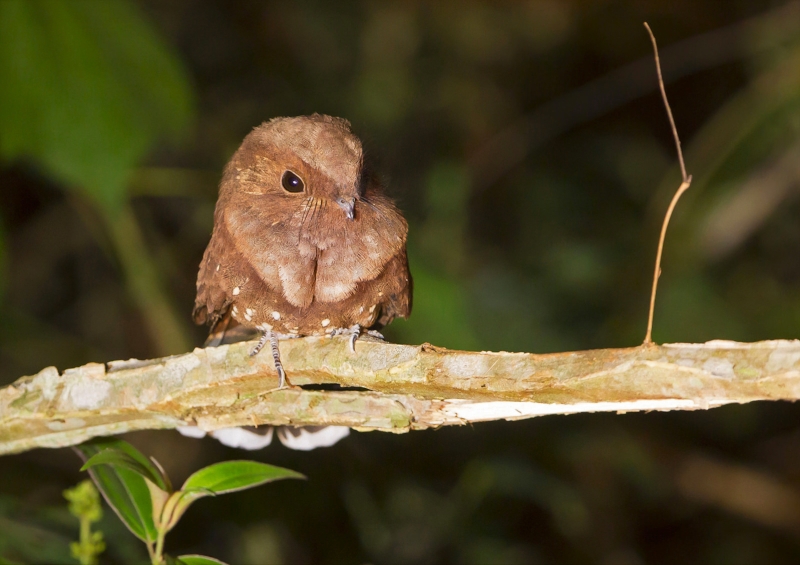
x,y
529,149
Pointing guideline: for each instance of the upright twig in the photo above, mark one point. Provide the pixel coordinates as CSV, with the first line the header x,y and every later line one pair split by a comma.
x,y
687,180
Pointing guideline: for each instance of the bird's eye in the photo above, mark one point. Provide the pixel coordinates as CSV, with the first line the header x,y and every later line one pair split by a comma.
x,y
291,182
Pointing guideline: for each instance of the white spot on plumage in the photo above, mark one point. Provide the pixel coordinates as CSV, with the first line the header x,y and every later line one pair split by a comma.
x,y
372,308
276,316
248,317
325,322
236,290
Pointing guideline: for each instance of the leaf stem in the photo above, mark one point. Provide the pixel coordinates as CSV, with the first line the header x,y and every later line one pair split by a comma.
x,y
158,558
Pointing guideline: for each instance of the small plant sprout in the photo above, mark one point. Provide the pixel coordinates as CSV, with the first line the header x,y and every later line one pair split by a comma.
x,y
141,494
84,504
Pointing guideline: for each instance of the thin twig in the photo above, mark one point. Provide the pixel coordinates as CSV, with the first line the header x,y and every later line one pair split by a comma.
x,y
684,176
686,182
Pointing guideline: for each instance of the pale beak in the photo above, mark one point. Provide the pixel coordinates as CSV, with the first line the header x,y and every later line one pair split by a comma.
x,y
348,205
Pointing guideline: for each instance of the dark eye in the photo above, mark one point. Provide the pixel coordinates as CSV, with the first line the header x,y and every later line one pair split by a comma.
x,y
291,182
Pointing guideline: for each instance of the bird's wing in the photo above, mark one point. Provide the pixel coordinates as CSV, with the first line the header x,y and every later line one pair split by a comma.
x,y
266,234
397,288
212,302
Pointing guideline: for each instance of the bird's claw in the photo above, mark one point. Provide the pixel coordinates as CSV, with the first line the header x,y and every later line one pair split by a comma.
x,y
353,331
376,334
281,376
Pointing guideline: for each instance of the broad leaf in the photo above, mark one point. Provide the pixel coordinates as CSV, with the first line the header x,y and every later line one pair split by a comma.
x,y
230,476
154,470
119,458
199,560
220,478
87,89
125,491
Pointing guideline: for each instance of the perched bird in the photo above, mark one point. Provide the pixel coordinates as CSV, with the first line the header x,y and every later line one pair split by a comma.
x,y
304,240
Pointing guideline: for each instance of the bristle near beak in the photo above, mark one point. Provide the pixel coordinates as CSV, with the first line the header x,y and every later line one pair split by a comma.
x,y
348,205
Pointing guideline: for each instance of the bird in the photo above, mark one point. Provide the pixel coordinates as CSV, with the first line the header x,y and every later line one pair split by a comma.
x,y
305,241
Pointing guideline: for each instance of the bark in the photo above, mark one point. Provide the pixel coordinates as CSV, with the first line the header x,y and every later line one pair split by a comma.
x,y
384,386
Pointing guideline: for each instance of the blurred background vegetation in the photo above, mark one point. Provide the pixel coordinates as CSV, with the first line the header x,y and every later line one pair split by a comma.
x,y
528,147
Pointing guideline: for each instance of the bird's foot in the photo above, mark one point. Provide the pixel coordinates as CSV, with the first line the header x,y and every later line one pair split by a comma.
x,y
261,343
272,337
355,332
376,334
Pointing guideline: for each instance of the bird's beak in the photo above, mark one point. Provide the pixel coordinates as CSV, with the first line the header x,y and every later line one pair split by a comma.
x,y
348,205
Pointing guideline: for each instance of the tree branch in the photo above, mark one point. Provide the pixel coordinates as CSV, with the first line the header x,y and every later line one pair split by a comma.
x,y
409,387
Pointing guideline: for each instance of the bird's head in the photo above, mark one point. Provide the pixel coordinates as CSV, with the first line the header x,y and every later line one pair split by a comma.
x,y
308,159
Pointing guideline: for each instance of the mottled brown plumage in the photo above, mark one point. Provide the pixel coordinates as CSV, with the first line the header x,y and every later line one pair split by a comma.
x,y
329,256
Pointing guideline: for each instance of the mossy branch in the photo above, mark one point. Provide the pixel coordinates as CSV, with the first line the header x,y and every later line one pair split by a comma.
x,y
387,387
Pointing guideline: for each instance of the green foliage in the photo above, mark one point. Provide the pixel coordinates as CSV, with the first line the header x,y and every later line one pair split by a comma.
x,y
232,476
142,495
124,489
87,89
197,560
126,457
84,504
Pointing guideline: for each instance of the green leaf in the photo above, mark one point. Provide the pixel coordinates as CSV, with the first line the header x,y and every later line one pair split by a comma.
x,y
125,491
119,458
88,88
153,470
220,478
230,476
199,560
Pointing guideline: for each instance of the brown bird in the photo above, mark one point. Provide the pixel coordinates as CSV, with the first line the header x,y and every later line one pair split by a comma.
x,y
304,240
